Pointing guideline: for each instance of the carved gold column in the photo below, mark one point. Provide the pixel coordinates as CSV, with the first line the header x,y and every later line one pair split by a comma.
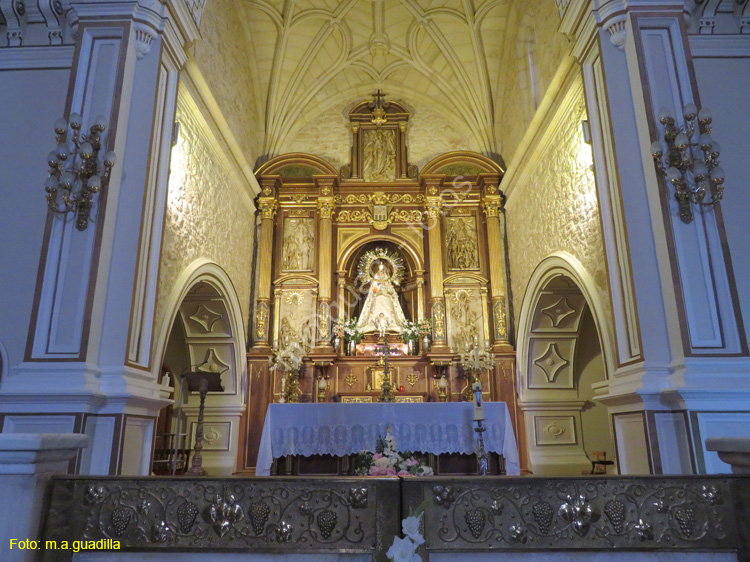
x,y
403,163
420,293
267,205
433,206
492,203
355,150
326,207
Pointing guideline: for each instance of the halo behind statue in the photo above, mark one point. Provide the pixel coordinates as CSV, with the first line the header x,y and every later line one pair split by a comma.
x,y
364,269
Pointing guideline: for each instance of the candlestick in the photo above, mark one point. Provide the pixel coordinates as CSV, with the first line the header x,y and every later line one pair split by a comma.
x,y
478,403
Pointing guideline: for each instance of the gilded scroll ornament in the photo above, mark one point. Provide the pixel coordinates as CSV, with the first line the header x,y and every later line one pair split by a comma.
x,y
298,245
461,243
501,327
324,321
354,216
261,321
414,216
379,162
438,320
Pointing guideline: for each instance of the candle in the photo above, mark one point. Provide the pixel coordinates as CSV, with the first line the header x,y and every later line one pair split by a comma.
x,y
478,403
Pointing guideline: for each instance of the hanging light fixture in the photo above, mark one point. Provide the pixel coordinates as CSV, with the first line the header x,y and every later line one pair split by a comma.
x,y
691,160
75,172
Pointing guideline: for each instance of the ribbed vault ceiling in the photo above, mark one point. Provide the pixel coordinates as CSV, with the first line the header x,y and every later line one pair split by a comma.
x,y
315,56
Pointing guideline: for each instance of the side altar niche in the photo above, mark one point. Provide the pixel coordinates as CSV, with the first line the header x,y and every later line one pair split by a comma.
x,y
387,244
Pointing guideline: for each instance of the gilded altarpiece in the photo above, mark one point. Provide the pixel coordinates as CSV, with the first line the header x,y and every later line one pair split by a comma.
x,y
378,240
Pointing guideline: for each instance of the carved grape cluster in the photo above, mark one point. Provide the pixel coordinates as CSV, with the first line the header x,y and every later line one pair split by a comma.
x,y
685,519
186,515
543,513
475,519
615,511
259,513
120,520
327,522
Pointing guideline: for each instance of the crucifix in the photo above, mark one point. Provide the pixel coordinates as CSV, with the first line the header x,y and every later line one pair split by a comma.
x,y
385,387
378,102
378,107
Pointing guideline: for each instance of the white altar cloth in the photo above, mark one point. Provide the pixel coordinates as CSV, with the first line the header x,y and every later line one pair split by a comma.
x,y
344,429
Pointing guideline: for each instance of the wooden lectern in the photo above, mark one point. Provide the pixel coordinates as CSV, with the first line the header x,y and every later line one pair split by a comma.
x,y
203,382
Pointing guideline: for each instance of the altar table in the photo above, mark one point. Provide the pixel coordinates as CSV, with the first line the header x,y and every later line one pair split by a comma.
x,y
345,429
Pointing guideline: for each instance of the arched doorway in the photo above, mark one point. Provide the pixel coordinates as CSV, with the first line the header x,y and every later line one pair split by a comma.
x,y
562,360
204,332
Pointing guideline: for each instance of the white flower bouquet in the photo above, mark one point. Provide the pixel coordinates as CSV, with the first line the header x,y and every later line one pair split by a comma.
x,y
405,549
352,332
409,331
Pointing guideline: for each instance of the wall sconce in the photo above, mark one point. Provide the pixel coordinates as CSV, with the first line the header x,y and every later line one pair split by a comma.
x,y
690,164
75,173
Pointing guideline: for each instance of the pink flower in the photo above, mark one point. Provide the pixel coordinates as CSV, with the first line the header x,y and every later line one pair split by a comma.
x,y
403,473
377,456
390,472
412,462
378,471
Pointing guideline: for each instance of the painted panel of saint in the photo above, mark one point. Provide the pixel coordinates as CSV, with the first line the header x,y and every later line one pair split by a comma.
x,y
298,244
461,243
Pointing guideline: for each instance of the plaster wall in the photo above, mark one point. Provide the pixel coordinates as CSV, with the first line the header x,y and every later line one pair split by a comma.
x,y
729,99
26,137
554,206
208,213
224,59
516,107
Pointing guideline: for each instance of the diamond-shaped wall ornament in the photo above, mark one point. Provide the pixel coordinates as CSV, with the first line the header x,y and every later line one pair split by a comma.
x,y
212,363
551,362
559,311
205,317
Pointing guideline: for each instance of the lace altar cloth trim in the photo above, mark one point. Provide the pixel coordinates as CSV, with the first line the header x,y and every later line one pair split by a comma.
x,y
343,429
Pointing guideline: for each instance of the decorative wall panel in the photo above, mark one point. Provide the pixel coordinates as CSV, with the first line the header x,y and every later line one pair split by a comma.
x,y
207,214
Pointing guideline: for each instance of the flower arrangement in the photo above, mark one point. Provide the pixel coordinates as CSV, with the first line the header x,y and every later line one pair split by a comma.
x,y
409,331
387,461
424,327
352,332
338,329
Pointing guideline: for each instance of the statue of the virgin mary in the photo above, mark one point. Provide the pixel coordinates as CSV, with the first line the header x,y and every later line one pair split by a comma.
x,y
381,312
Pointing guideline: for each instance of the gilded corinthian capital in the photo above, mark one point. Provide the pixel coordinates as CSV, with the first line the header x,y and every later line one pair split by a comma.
x,y
492,205
267,206
326,207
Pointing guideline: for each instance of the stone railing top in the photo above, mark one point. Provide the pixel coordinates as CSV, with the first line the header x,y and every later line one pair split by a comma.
x,y
729,444
26,453
42,441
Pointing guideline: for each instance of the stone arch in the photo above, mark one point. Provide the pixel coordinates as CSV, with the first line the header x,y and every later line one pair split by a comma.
x,y
563,357
205,303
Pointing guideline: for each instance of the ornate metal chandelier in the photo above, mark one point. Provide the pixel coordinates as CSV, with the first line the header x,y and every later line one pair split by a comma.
x,y
75,172
691,160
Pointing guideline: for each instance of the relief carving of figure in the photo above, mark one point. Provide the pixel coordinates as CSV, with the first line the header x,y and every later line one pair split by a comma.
x,y
381,306
379,161
298,245
462,243
465,320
